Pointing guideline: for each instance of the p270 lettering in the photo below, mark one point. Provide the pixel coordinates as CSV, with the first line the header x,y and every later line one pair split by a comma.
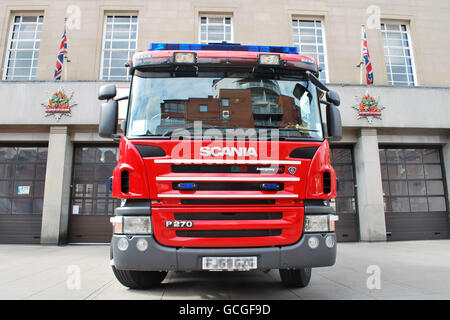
x,y
179,224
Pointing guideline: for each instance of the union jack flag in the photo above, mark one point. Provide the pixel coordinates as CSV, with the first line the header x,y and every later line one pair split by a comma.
x,y
366,57
60,58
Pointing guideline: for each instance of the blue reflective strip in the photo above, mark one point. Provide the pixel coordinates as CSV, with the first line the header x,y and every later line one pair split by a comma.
x,y
221,47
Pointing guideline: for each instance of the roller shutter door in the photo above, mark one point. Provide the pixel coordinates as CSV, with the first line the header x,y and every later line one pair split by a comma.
x,y
92,202
347,228
415,194
22,178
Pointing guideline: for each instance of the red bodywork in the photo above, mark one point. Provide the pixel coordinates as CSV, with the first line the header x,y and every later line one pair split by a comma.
x,y
151,178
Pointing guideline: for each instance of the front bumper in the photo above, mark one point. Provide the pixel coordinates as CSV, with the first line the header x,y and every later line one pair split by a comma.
x,y
161,258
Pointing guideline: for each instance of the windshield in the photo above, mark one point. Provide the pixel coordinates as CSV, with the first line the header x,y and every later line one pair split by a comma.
x,y
163,106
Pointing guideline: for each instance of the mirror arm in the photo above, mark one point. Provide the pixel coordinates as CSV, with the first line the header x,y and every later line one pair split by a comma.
x,y
316,81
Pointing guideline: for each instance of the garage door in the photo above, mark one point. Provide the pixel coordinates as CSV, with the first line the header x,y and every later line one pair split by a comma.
x,y
345,203
92,202
22,176
414,193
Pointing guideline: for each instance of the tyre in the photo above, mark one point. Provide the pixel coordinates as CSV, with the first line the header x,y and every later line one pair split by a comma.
x,y
295,278
138,279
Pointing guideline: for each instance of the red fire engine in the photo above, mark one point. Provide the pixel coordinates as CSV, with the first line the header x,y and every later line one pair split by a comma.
x,y
224,163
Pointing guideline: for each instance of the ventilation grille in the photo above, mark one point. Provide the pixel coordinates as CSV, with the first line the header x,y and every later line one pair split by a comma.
x,y
125,181
228,233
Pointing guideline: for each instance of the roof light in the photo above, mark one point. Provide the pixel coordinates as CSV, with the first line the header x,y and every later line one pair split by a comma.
x,y
184,57
221,47
269,59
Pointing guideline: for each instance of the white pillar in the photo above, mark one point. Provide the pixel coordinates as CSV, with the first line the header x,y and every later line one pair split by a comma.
x,y
55,213
372,222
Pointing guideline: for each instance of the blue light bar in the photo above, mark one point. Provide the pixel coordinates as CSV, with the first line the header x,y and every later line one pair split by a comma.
x,y
221,47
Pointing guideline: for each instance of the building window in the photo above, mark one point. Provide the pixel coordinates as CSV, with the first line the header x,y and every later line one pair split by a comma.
x,y
309,37
119,44
398,54
174,107
225,102
226,115
203,108
215,29
22,53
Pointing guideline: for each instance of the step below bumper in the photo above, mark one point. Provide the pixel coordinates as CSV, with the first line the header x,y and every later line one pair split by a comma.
x,y
161,258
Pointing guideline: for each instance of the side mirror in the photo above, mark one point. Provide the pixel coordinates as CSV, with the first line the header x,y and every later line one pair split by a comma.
x,y
334,124
107,92
333,97
107,127
299,90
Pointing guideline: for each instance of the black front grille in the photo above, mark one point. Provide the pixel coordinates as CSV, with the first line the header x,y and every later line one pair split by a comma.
x,y
227,201
228,186
228,233
229,216
227,169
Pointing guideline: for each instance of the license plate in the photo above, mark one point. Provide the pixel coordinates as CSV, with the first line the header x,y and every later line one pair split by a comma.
x,y
229,263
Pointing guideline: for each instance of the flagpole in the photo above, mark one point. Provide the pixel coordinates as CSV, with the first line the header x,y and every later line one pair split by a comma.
x,y
361,58
65,55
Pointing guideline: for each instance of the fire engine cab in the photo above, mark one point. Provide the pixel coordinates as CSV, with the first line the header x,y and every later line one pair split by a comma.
x,y
224,163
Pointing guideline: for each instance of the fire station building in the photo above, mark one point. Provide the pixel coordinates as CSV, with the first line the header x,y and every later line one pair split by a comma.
x,y
393,163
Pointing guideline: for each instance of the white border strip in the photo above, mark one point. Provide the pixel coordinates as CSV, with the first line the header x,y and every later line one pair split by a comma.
x,y
212,196
213,161
243,179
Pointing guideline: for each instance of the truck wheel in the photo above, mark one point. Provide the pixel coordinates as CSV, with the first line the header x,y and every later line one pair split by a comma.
x,y
295,278
139,279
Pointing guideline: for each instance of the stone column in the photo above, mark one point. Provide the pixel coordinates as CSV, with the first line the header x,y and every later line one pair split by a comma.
x,y
372,224
55,213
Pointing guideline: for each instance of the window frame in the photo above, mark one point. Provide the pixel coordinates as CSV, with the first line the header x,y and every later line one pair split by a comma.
x,y
102,60
410,48
9,42
214,15
295,36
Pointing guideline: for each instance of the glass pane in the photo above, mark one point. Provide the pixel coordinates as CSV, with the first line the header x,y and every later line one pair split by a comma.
x,y
431,156
400,204
433,171
419,204
37,206
436,204
8,154
22,206
27,154
345,205
398,188
394,155
6,171
415,171
5,206
416,188
435,188
25,171
5,189
396,171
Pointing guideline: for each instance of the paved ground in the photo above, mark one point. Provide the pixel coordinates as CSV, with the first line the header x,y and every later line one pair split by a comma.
x,y
408,270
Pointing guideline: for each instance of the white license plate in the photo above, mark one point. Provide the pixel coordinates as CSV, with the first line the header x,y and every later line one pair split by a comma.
x,y
229,263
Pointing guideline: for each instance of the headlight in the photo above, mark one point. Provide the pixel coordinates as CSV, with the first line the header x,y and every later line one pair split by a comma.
x,y
132,225
320,223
